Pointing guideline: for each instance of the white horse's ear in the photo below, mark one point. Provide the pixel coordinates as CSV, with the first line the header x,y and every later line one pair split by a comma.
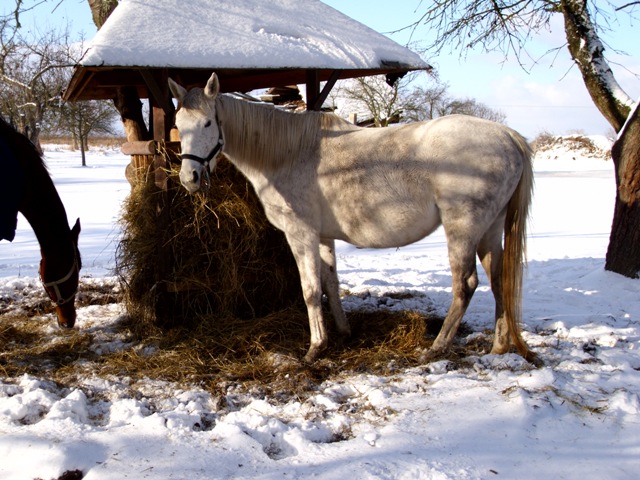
x,y
213,86
178,91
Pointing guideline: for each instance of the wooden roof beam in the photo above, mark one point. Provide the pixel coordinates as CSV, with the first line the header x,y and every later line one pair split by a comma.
x,y
159,90
77,86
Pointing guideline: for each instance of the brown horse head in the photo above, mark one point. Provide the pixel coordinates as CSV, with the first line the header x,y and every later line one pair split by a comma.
x,y
36,197
60,277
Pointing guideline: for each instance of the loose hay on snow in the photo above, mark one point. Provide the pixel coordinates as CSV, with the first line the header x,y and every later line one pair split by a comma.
x,y
259,355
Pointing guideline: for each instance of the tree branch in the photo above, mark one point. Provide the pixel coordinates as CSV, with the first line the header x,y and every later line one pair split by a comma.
x,y
14,82
627,5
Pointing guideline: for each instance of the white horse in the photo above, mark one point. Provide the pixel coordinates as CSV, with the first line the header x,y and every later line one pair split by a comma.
x,y
321,178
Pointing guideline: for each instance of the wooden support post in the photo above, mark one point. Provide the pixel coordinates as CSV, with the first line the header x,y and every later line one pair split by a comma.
x,y
161,121
162,113
313,88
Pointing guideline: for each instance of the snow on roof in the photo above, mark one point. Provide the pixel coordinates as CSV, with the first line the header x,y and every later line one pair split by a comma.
x,y
241,34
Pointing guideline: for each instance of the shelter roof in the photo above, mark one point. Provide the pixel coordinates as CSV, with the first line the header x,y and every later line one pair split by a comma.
x,y
249,43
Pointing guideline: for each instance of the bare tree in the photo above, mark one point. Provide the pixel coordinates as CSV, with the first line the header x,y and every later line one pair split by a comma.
x,y
127,101
101,9
508,26
33,74
374,96
81,120
427,103
471,106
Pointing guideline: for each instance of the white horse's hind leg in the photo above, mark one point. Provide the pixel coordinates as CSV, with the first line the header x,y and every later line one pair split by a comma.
x,y
331,285
491,254
306,251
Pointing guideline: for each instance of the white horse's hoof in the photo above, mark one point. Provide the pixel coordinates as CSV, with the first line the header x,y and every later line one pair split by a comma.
x,y
432,355
313,354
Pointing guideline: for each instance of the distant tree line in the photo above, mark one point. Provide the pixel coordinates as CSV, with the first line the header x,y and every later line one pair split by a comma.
x,y
405,101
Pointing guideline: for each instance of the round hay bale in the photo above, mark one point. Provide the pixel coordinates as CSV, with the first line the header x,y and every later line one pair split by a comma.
x,y
207,255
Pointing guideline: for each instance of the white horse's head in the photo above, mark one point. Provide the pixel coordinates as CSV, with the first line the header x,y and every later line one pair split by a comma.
x,y
200,133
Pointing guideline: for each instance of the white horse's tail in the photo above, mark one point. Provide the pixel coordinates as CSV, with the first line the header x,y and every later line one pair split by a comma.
x,y
515,247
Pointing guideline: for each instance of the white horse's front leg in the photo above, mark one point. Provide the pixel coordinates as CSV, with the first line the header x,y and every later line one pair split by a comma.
x,y
306,251
331,285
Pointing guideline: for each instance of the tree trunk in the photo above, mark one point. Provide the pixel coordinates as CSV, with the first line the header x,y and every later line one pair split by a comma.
x,y
83,154
587,51
623,255
101,9
128,103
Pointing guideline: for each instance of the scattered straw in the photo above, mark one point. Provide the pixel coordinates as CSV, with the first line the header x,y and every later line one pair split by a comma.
x,y
252,354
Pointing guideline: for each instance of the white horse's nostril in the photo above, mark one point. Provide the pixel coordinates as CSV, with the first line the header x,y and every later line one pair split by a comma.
x,y
195,177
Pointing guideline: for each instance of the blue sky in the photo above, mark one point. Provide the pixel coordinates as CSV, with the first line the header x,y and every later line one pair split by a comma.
x,y
549,97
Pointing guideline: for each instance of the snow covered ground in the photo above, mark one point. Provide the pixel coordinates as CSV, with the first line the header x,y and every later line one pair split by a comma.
x,y
577,417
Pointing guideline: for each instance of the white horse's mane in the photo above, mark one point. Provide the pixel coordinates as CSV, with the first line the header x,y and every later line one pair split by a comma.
x,y
263,135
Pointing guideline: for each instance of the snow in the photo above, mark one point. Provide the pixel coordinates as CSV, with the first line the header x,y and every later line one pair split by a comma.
x,y
240,34
576,417
628,120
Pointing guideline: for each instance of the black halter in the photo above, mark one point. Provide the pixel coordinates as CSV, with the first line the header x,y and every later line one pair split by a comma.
x,y
215,151
56,296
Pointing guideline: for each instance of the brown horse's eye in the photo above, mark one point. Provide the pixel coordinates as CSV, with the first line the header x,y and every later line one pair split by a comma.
x,y
208,124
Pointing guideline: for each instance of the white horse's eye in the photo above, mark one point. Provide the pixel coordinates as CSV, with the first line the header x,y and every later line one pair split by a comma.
x,y
208,124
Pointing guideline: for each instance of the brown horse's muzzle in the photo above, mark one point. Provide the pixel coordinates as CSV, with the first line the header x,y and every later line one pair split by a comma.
x,y
66,314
